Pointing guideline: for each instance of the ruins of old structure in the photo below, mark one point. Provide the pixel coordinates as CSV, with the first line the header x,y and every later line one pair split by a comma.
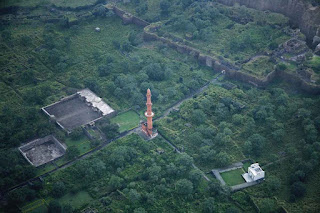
x,y
147,128
79,109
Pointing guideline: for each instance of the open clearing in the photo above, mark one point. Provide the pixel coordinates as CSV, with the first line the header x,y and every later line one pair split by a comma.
x,y
233,177
127,120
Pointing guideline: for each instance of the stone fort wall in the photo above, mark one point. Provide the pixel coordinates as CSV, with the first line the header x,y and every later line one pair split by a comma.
x,y
216,64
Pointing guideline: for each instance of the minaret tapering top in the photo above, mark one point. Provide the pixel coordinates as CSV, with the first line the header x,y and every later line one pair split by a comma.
x,y
148,92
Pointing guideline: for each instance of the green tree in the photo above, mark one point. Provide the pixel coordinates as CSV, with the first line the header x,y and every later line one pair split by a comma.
x,y
281,67
195,176
164,6
184,161
67,208
134,196
222,159
207,154
142,9
105,70
255,144
154,71
268,205
208,205
54,207
153,172
237,119
58,189
232,209
184,187
76,134
198,116
140,210
298,189
273,184
278,135
72,152
111,130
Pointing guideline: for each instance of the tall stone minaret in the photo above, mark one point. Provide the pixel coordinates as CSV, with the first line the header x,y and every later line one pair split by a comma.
x,y
149,114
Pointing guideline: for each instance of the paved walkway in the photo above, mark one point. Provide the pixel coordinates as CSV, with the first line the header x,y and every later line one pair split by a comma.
x,y
234,166
237,165
244,185
216,173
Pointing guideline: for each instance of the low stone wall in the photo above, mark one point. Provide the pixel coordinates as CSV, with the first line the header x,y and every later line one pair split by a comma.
x,y
126,17
40,141
297,81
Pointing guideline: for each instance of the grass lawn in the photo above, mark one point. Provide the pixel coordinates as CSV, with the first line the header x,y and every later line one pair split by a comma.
x,y
76,201
83,144
127,120
233,177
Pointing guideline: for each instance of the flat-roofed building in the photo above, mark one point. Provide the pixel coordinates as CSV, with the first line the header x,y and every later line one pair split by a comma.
x,y
255,172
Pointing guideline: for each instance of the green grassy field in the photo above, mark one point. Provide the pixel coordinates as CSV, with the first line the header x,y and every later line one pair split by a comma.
x,y
77,200
233,177
83,144
127,120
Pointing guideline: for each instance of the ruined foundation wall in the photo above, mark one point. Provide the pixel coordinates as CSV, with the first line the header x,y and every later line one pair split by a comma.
x,y
297,81
40,141
300,13
128,18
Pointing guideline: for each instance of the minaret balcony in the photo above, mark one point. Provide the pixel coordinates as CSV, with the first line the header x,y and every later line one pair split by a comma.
x,y
149,115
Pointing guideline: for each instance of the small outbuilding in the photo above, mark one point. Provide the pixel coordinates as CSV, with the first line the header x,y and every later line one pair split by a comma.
x,y
97,29
255,173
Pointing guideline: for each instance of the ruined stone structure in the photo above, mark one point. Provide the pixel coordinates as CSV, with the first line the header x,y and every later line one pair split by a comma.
x,y
79,109
216,63
301,13
147,128
42,150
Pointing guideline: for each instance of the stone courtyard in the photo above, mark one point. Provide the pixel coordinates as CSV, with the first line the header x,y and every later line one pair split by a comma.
x,y
42,150
78,109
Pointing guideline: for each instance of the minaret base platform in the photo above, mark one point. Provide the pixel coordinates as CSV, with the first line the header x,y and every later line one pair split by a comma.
x,y
144,133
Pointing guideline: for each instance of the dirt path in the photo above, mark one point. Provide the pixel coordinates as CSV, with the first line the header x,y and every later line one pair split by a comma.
x,y
198,91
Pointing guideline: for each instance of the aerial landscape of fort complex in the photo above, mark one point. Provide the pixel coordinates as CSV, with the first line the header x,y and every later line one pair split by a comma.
x,y
160,106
